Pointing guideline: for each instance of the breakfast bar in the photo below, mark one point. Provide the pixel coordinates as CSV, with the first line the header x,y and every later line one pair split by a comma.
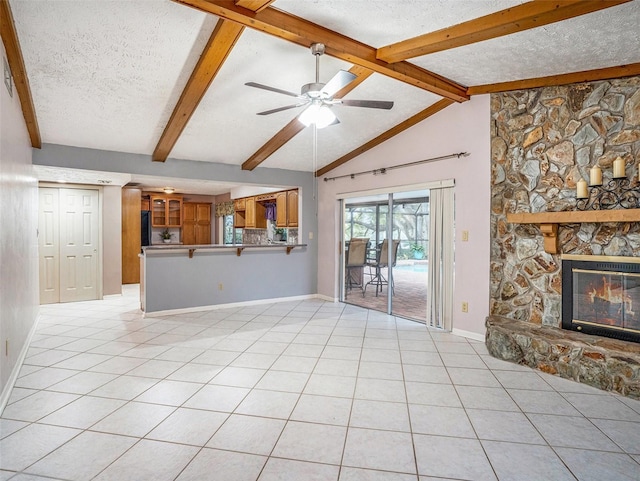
x,y
195,277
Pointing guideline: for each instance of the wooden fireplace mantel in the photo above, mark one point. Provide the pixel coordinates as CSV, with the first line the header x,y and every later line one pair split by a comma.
x,y
549,221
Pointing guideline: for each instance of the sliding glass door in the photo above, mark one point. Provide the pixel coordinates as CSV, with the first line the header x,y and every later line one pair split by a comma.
x,y
409,264
393,276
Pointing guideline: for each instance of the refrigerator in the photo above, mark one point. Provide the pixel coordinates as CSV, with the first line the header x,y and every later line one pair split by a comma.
x,y
145,228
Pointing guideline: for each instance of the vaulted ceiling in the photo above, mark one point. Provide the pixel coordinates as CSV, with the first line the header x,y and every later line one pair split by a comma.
x,y
167,78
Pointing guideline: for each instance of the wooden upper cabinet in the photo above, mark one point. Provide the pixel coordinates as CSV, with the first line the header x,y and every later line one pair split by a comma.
x,y
196,225
292,208
239,206
281,209
238,219
145,203
174,208
255,214
166,211
158,211
250,213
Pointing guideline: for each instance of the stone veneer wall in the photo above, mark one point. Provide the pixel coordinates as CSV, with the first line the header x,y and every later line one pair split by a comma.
x,y
543,141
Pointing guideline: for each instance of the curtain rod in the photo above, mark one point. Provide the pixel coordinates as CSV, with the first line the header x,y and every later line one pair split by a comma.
x,y
383,170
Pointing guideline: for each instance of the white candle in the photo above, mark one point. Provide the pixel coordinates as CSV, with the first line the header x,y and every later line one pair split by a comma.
x,y
618,168
595,176
581,189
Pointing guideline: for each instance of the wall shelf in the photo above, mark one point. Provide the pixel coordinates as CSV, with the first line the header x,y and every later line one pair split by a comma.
x,y
549,221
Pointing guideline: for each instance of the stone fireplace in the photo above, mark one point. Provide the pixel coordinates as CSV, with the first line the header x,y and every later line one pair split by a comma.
x,y
543,142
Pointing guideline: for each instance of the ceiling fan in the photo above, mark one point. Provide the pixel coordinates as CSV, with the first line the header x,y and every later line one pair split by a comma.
x,y
318,97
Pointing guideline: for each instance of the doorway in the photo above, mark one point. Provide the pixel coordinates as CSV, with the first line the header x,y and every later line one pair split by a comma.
x,y
398,266
68,244
402,273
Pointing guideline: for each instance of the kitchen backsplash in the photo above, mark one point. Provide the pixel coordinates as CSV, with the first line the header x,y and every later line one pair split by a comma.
x,y
260,236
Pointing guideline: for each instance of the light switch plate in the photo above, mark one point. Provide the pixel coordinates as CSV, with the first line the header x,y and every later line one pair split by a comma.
x,y
8,80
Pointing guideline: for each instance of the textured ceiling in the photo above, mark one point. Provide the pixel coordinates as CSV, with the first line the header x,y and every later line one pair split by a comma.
x,y
107,74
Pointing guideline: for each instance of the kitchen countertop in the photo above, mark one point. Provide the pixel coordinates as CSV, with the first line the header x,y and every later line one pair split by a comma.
x,y
165,247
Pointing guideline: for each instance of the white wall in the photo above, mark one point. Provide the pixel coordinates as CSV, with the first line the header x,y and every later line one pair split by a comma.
x,y
111,240
91,159
458,128
18,241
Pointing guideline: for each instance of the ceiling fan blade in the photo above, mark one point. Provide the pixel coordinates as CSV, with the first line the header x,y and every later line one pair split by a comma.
x,y
338,81
273,89
371,104
280,109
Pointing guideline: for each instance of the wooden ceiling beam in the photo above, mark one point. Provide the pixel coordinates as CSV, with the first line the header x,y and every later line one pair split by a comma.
x,y
19,72
254,5
294,127
563,79
505,22
302,32
222,40
401,127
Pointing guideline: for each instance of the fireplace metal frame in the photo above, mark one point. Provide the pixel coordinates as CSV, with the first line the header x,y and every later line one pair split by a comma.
x,y
600,263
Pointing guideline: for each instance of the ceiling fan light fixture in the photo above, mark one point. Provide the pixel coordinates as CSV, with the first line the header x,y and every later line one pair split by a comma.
x,y
319,114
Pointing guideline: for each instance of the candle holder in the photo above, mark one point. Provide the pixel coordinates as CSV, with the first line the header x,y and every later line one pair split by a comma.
x,y
615,193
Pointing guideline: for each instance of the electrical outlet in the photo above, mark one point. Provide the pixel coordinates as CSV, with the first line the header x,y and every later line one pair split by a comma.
x,y
465,236
465,306
220,286
310,235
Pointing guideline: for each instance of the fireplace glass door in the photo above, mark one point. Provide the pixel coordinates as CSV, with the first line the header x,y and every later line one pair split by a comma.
x,y
608,299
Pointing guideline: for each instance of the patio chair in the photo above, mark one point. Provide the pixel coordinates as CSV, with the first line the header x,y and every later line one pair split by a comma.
x,y
356,260
375,267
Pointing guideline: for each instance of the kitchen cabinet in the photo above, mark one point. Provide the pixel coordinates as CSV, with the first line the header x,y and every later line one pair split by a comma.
x,y
255,214
239,206
131,199
266,198
250,212
166,211
145,203
196,223
281,209
292,208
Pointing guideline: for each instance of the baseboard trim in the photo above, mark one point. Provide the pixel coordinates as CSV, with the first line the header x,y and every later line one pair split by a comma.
x,y
8,387
111,296
327,298
468,334
257,302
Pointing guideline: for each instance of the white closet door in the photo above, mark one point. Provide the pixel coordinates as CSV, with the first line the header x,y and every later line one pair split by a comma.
x,y
79,242
68,240
48,244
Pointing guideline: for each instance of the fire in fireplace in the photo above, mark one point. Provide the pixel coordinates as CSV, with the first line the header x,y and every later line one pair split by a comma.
x,y
601,295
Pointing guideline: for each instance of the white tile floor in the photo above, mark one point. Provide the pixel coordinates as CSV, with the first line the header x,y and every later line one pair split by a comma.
x,y
298,391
